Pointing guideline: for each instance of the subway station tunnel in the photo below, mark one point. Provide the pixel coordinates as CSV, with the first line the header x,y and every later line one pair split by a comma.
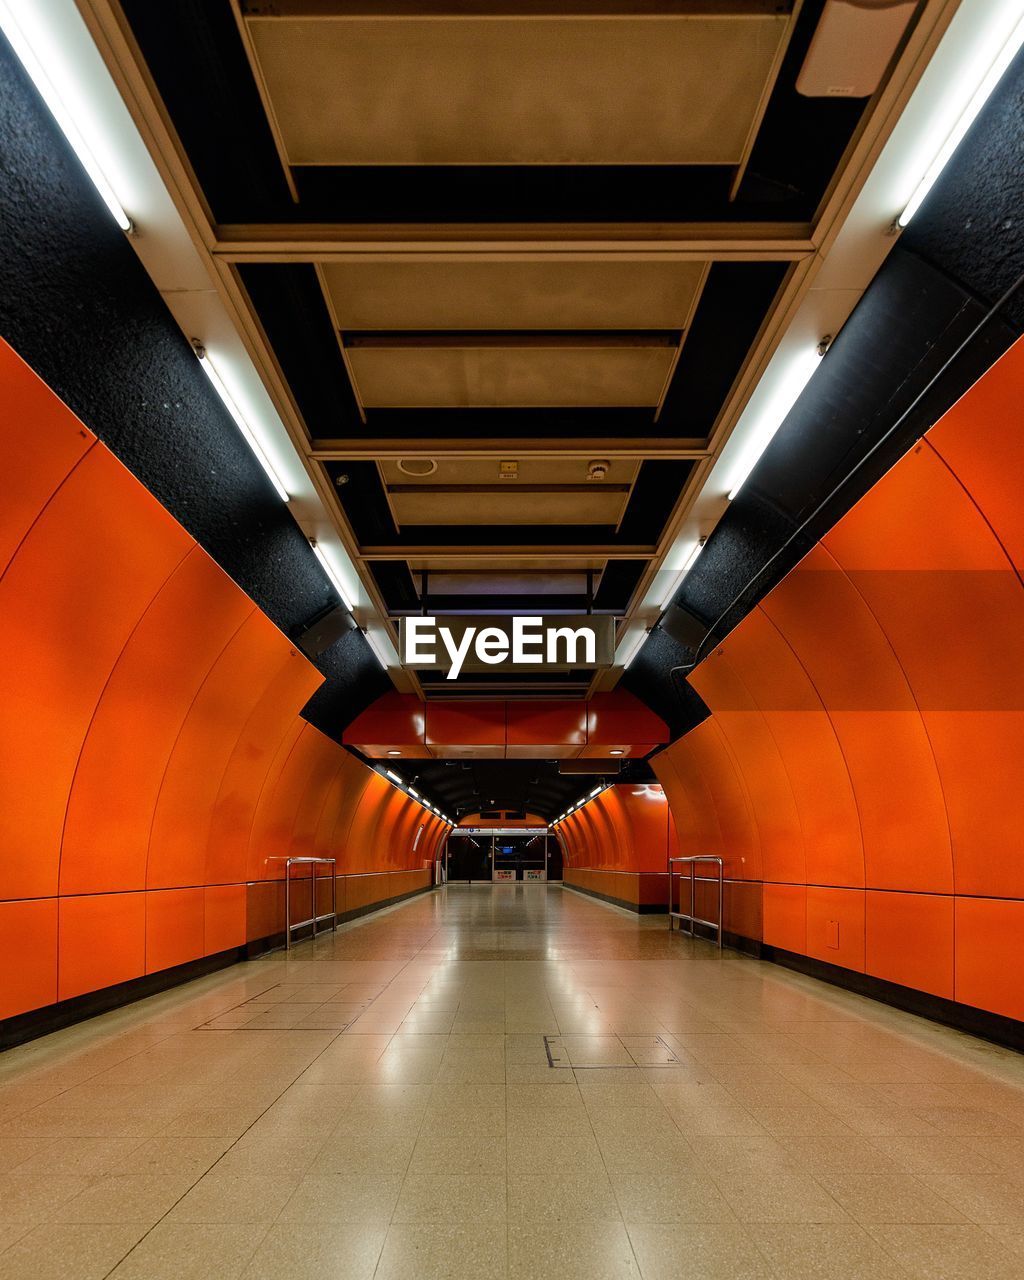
x,y
694,322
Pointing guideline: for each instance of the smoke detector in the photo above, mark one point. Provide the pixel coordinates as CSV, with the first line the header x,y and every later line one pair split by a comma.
x,y
598,468
417,467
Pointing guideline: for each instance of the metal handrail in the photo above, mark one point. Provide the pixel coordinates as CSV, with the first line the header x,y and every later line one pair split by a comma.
x,y
692,917
314,919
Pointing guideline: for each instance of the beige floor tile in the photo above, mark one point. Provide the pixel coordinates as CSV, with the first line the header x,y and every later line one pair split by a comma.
x,y
239,1200
735,1122
60,1251
573,1250
83,1156
386,1153
444,1251
452,1198
779,1197
706,1251
191,1251
724,1152
670,1196
341,1250
173,1156
543,1097
889,1198
570,1195
941,1252
343,1197
837,1153
982,1198
616,1088
937,1153
825,1252
462,1152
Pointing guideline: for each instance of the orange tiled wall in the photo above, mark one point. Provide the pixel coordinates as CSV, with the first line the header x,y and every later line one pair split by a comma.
x,y
619,844
863,759
153,764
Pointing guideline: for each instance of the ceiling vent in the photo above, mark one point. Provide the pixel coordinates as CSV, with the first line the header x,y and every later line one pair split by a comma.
x,y
852,47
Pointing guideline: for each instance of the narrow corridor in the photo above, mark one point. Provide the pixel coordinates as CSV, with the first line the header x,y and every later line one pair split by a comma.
x,y
509,1081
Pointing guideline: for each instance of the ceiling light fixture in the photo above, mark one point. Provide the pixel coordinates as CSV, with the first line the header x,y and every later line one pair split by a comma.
x,y
681,573
616,751
394,777
34,68
779,402
217,382
1004,54
332,573
393,752
375,646
630,648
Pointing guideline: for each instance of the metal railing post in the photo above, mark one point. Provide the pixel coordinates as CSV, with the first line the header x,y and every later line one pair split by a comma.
x,y
691,918
314,917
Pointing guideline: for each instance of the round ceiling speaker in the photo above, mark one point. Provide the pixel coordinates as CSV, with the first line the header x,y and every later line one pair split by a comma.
x,y
418,467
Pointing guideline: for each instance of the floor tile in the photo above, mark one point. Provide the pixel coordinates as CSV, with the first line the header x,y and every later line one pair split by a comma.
x,y
825,1252
444,1251
573,1250
704,1251
343,1251
451,1198
343,1197
191,1251
61,1251
947,1252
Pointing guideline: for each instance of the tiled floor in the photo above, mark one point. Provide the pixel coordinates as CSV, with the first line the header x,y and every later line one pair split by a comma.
x,y
519,1082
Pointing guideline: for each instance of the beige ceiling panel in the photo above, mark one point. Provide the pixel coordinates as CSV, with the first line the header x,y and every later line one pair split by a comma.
x,y
526,563
656,90
511,295
552,470
508,584
446,377
503,506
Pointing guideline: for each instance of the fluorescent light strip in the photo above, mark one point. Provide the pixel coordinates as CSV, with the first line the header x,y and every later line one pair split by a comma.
x,y
631,649
210,369
394,777
333,574
680,574
780,401
378,652
65,120
1007,52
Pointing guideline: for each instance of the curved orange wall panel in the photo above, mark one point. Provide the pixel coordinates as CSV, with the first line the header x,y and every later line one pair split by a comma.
x,y
181,819
41,441
153,756
988,951
92,562
28,955
289,683
619,843
893,918
873,706
175,927
151,687
102,941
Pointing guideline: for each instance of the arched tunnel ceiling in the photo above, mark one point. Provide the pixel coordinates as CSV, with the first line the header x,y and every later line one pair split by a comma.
x,y
75,302
534,786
